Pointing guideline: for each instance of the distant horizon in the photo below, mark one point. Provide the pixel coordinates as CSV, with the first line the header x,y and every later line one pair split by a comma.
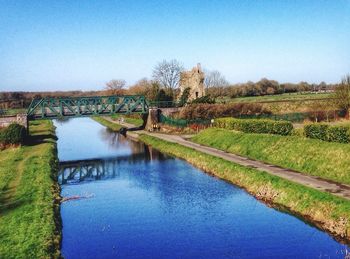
x,y
81,45
128,86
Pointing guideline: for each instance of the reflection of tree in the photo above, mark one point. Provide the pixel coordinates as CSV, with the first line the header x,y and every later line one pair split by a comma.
x,y
116,140
109,136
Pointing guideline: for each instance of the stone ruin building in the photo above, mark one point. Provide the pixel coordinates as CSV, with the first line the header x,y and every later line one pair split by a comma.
x,y
194,80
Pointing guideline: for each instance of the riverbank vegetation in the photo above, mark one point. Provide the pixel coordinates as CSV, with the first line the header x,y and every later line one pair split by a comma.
x,y
134,119
29,196
107,123
309,156
323,209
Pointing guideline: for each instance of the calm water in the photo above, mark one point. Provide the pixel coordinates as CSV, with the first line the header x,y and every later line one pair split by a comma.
x,y
139,203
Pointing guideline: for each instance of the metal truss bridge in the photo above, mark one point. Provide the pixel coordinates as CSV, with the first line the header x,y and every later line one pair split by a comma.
x,y
54,108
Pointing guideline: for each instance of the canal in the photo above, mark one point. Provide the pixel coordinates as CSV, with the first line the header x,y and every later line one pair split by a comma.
x,y
127,200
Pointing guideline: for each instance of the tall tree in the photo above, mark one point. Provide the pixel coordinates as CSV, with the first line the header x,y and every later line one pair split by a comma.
x,y
342,94
140,87
115,86
214,79
145,87
167,73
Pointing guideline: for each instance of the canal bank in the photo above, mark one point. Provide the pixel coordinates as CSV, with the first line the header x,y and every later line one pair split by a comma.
x,y
324,210
30,222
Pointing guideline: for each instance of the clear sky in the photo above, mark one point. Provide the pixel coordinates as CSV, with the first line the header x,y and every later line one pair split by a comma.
x,y
68,45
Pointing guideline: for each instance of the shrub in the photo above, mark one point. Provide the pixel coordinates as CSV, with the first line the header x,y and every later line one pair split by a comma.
x,y
317,131
1,135
255,125
13,134
329,133
339,134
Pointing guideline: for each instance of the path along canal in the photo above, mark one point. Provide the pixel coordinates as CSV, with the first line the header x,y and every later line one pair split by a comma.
x,y
135,202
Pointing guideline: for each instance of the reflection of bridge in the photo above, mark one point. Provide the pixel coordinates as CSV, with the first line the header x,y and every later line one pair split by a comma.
x,y
53,108
96,169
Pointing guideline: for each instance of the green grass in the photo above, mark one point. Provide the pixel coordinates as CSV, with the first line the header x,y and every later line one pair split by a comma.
x,y
29,197
107,123
278,97
132,120
15,111
323,209
314,157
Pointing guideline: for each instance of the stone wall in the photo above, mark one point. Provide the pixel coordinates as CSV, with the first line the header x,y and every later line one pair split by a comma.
x,y
19,118
194,80
152,119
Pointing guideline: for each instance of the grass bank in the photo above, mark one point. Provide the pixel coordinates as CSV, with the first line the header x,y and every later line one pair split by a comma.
x,y
107,123
326,211
309,156
29,197
132,120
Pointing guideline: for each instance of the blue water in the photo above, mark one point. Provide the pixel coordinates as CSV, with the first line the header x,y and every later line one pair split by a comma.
x,y
139,203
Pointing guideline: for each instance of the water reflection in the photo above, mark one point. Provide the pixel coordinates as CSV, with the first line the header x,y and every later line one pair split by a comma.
x,y
82,138
97,169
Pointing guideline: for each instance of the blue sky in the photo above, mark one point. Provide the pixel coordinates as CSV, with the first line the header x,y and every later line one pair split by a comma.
x,y
68,45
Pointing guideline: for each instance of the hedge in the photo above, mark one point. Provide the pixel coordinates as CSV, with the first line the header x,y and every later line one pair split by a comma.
x,y
329,133
13,134
208,111
255,125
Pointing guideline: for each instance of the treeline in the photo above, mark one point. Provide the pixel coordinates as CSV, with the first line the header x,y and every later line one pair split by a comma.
x,y
266,87
23,99
154,91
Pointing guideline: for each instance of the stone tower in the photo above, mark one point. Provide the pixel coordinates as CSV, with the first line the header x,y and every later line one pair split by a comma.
x,y
194,80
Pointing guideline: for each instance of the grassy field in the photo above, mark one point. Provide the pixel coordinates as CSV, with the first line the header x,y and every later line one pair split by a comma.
x,y
309,156
325,210
289,103
29,197
278,97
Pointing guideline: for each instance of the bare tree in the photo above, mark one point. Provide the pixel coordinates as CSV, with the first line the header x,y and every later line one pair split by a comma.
x,y
167,73
342,94
214,79
115,86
